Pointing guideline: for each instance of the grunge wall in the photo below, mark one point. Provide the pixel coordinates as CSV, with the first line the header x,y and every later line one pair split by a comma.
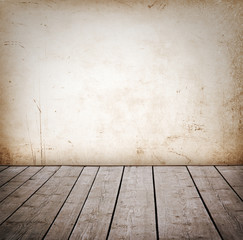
x,y
121,82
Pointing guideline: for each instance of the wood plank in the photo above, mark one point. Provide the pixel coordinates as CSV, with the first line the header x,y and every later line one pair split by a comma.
x,y
181,213
234,176
16,182
134,216
93,223
225,206
3,167
32,220
9,173
66,219
17,198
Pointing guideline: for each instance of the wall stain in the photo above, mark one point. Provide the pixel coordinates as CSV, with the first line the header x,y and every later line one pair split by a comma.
x,y
195,127
124,3
5,156
31,145
29,3
189,161
13,43
160,4
158,159
140,151
40,131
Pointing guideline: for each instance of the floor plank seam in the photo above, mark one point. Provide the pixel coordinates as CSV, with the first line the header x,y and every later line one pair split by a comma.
x,y
228,183
83,204
28,198
4,168
13,176
21,185
205,206
114,209
155,206
63,203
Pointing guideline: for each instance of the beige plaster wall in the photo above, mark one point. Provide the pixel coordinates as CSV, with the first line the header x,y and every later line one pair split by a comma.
x,y
121,82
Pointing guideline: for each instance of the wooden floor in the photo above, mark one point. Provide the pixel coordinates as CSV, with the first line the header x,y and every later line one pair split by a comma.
x,y
167,202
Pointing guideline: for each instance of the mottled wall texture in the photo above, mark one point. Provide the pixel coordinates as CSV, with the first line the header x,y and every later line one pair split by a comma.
x,y
121,82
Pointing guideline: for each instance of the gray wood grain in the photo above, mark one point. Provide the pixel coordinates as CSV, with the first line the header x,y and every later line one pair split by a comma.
x,y
65,220
224,205
95,217
181,213
134,216
9,173
234,176
13,201
13,184
34,200
32,220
